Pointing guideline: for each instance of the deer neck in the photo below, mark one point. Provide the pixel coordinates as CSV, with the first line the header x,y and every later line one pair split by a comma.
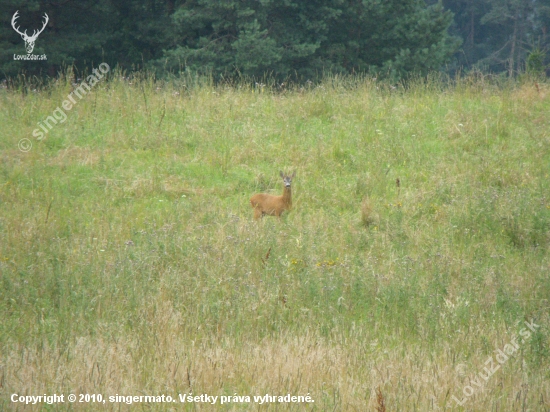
x,y
287,196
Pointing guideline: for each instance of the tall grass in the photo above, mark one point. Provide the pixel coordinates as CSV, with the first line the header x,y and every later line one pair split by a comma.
x,y
131,263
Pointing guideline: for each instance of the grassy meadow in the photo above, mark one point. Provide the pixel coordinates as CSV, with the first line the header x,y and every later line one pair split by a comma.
x,y
417,247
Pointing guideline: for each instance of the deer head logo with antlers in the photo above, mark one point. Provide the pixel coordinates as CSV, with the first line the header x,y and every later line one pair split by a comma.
x,y
29,40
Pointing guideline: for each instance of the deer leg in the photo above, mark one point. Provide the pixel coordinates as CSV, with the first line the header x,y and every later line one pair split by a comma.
x,y
257,213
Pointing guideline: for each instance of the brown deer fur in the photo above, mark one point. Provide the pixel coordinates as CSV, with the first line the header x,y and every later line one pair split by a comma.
x,y
265,204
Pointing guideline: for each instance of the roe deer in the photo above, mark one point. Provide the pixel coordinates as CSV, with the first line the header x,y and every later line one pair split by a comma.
x,y
265,204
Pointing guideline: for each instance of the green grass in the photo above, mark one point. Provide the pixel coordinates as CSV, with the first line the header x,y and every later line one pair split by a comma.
x,y
131,264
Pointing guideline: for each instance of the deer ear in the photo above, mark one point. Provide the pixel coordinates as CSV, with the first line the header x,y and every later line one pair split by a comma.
x,y
281,174
293,174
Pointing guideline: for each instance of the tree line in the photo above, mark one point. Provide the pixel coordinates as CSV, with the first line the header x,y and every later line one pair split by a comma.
x,y
302,39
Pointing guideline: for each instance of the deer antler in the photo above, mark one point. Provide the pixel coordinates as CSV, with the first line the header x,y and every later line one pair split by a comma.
x,y
15,17
36,33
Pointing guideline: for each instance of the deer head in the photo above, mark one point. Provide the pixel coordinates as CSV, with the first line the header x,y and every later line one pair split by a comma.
x,y
287,180
29,40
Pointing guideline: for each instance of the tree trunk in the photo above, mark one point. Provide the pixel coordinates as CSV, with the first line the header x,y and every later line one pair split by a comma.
x,y
512,60
472,30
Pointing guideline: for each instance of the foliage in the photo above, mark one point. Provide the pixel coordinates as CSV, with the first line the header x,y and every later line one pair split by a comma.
x,y
307,38
84,34
418,243
296,38
535,62
499,35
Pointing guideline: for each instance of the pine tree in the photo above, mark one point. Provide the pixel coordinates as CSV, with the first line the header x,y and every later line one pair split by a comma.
x,y
500,34
84,33
279,38
392,37
511,24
